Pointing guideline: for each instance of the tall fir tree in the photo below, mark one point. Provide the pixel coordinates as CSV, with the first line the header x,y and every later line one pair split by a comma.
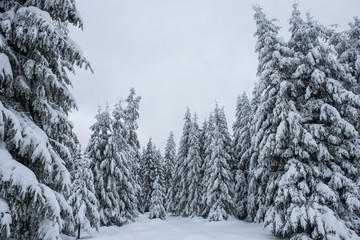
x,y
218,179
265,97
347,45
37,142
152,170
203,132
319,189
115,183
83,200
95,151
242,153
142,181
120,173
177,190
169,163
305,148
191,174
147,171
131,115
156,207
208,138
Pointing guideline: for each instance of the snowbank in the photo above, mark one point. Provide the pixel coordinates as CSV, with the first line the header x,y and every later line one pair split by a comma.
x,y
178,228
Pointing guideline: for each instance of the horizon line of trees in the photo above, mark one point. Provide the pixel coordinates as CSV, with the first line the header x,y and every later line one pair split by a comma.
x,y
292,162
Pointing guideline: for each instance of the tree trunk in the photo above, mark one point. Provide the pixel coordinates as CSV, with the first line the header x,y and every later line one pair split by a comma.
x,y
79,231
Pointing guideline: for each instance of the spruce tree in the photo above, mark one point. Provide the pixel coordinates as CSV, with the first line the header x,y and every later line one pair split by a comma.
x,y
318,188
169,163
208,130
347,45
147,174
242,153
203,132
270,51
120,172
218,179
152,170
177,192
95,151
37,142
305,148
142,183
131,115
191,174
83,200
115,183
156,207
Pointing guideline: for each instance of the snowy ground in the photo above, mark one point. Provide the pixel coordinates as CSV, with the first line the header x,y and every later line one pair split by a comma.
x,y
176,228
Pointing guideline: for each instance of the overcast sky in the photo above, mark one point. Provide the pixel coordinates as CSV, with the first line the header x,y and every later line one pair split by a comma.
x,y
176,53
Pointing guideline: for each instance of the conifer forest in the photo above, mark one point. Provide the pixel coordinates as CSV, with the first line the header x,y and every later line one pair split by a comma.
x,y
290,161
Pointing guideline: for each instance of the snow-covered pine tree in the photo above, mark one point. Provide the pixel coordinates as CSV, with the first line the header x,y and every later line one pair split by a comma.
x,y
156,207
203,131
148,159
159,168
159,165
208,138
191,174
142,179
152,169
95,151
119,171
306,146
177,190
317,196
269,48
218,179
83,200
36,138
242,153
131,115
347,45
202,139
169,163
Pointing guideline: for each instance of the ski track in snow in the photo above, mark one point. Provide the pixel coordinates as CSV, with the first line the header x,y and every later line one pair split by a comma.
x,y
178,228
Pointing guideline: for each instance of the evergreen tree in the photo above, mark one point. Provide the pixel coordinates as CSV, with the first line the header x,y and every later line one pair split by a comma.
x,y
147,173
318,188
203,132
156,208
305,148
95,151
142,182
159,168
169,163
37,142
218,179
270,51
121,179
115,184
202,139
347,45
131,114
242,145
83,200
177,190
152,170
191,174
208,130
